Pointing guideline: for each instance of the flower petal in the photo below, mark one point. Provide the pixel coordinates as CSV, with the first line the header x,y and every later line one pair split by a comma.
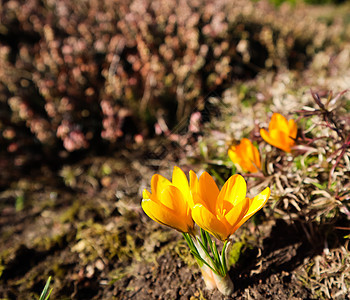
x,y
245,155
163,215
233,192
158,183
180,181
194,185
237,213
146,194
172,198
266,136
258,202
208,191
245,144
209,222
252,155
232,153
281,140
255,205
279,122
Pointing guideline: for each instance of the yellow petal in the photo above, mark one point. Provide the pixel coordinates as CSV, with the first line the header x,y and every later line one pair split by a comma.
x,y
232,153
281,140
255,205
233,192
146,194
193,187
279,122
256,159
266,136
209,222
245,155
258,202
163,215
277,139
193,181
208,191
236,214
245,144
180,181
172,198
158,183
251,155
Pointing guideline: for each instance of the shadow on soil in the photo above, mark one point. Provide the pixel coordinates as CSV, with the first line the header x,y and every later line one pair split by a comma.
x,y
283,251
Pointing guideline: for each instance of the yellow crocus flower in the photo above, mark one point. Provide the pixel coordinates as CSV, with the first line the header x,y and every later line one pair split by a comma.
x,y
169,203
221,213
281,134
245,155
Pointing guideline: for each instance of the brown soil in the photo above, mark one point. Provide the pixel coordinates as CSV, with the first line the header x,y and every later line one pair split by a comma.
x,y
85,228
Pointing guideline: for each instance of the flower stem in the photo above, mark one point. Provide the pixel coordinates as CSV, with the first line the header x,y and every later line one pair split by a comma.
x,y
213,265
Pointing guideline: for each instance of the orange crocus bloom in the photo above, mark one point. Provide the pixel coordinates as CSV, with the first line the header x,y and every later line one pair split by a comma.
x,y
245,155
170,203
221,213
281,134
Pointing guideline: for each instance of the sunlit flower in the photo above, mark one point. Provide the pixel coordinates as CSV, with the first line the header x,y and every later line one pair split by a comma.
x,y
245,155
281,134
221,213
169,203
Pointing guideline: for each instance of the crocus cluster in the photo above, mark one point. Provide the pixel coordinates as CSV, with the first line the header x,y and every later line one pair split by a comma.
x,y
282,134
181,204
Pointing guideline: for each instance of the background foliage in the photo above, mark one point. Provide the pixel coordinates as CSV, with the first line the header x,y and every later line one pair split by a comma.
x,y
75,73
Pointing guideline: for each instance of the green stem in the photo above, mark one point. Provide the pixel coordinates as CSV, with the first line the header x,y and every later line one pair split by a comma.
x,y
217,269
216,262
223,257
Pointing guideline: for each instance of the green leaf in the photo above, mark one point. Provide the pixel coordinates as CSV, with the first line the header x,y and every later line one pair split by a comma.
x,y
45,294
223,257
217,268
199,258
204,238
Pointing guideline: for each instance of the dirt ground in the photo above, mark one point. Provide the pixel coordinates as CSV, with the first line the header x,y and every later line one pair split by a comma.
x,y
80,221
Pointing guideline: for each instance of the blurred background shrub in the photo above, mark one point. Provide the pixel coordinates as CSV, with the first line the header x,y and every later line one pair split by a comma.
x,y
279,2
77,73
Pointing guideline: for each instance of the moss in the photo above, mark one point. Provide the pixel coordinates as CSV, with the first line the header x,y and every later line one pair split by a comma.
x,y
95,240
2,268
5,256
58,270
130,250
120,273
183,251
235,253
59,240
70,214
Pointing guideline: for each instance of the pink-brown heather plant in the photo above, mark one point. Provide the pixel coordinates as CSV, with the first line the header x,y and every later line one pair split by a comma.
x,y
93,65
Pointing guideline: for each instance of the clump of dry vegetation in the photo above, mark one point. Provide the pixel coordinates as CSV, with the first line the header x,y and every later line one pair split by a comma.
x,y
310,186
